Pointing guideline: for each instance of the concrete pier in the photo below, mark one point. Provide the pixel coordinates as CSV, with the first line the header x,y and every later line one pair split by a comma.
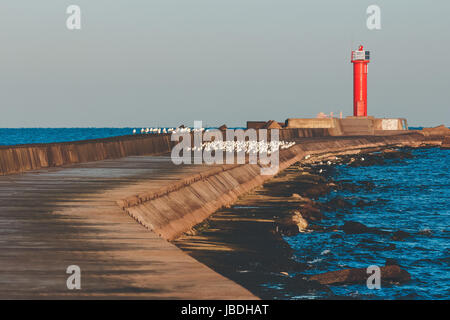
x,y
86,214
53,218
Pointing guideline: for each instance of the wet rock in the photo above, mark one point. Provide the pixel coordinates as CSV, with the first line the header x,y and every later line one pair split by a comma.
x,y
398,155
332,228
291,225
378,158
349,187
367,185
316,227
311,213
338,203
362,203
311,178
299,197
298,219
426,232
315,191
321,169
305,202
352,227
389,273
400,235
394,273
366,160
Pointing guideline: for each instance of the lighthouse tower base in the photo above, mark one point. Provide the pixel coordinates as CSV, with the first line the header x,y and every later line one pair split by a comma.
x,y
351,126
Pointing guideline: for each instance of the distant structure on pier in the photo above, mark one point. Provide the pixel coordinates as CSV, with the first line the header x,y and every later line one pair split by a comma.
x,y
360,60
358,124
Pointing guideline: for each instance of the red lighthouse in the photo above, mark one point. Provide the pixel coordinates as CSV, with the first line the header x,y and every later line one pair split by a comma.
x,y
360,59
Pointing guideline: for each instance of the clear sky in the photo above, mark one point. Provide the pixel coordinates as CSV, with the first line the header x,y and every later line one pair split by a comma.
x,y
143,63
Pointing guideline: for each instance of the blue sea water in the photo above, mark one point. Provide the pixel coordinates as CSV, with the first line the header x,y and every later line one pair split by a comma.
x,y
414,196
15,136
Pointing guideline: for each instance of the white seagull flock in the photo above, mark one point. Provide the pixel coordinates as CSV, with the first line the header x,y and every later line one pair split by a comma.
x,y
166,130
227,146
244,146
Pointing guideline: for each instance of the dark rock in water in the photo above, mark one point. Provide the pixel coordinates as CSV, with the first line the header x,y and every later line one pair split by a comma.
x,y
393,273
299,266
338,203
371,241
310,178
367,185
350,181
367,160
332,228
316,227
311,213
426,232
300,198
291,225
316,191
348,186
400,235
378,159
389,273
362,203
352,227
398,155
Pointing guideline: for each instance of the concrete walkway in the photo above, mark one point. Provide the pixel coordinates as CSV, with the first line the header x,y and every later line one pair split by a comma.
x,y
53,218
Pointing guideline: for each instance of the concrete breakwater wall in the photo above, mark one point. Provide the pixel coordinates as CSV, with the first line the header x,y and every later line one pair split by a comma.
x,y
22,158
292,134
16,159
175,209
